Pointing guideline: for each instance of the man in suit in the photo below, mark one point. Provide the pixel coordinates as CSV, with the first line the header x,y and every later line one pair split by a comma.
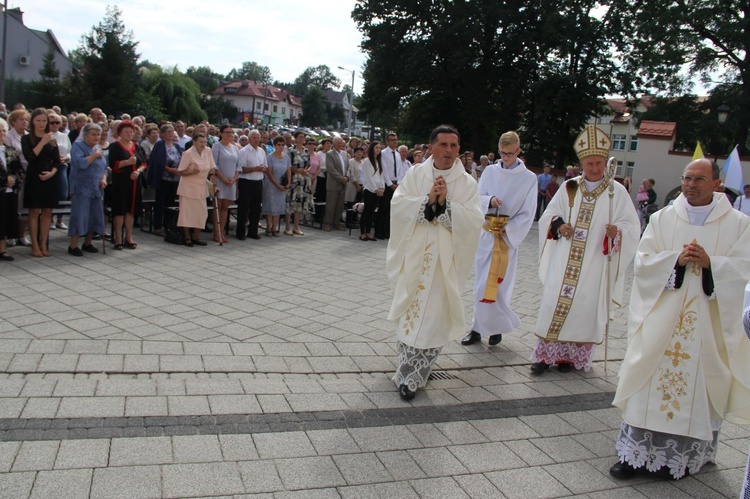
x,y
336,165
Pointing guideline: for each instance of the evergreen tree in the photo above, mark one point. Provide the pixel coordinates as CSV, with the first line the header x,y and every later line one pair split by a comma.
x,y
110,62
47,90
313,107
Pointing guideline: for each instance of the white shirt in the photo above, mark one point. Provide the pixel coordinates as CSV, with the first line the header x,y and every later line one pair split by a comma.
x,y
371,179
183,140
699,214
251,157
387,160
322,156
742,204
63,145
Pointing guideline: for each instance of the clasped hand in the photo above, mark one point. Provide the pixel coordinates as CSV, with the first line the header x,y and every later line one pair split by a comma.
x,y
439,191
695,253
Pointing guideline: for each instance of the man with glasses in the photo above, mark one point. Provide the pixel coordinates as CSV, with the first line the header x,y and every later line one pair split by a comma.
x,y
685,369
507,188
576,234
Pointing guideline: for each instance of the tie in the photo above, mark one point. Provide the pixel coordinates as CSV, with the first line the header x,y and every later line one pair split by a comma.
x,y
395,171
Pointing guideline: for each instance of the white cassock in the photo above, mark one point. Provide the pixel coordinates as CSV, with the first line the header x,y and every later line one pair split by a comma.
x,y
573,311
516,189
687,367
428,262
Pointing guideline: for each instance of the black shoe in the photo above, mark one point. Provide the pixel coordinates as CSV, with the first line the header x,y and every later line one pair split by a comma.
x,y
564,367
623,471
471,338
495,339
539,367
75,251
405,393
240,238
254,236
89,248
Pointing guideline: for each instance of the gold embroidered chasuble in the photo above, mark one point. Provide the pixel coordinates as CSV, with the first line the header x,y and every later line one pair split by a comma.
x,y
686,367
428,263
573,272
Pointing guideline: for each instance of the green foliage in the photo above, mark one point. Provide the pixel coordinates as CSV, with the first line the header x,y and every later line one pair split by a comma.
x,y
219,109
706,37
47,90
207,80
313,107
110,61
177,94
318,76
540,67
250,71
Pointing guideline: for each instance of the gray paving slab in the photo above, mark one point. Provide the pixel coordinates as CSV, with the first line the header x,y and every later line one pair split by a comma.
x,y
35,456
260,476
126,482
309,473
17,485
443,487
279,445
71,484
82,454
181,480
140,451
196,449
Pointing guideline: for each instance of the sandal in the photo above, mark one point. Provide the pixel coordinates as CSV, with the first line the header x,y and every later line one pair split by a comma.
x,y
198,242
189,243
6,256
130,245
118,246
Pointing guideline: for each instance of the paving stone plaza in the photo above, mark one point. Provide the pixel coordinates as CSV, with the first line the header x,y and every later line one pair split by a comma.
x,y
262,369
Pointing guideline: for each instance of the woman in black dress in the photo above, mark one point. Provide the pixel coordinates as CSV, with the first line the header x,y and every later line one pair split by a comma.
x,y
40,188
128,162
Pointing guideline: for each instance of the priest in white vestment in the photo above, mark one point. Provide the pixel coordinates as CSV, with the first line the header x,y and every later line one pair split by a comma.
x,y
686,368
575,235
435,223
506,188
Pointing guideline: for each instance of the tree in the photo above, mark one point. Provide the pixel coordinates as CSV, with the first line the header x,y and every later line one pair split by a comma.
x,y
110,64
708,38
439,61
178,94
219,109
314,107
48,89
318,76
250,71
207,80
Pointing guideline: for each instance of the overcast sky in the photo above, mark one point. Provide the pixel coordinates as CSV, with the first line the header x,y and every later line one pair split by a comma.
x,y
286,35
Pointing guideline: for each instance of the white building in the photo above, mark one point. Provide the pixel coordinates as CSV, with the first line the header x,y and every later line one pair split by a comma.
x,y
261,103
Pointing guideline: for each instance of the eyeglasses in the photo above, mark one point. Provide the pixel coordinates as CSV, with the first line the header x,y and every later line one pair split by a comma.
x,y
508,154
54,122
697,180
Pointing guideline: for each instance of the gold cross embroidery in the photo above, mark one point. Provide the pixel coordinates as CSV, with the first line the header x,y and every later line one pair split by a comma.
x,y
603,142
582,143
677,355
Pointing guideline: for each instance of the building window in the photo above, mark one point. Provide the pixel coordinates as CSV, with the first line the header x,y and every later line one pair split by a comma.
x,y
618,142
275,109
633,143
618,173
257,105
283,110
265,107
630,169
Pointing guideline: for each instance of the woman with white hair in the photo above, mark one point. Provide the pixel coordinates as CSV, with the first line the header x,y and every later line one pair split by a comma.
x,y
88,178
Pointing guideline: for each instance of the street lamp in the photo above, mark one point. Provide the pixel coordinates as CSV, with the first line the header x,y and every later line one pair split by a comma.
x,y
349,127
722,113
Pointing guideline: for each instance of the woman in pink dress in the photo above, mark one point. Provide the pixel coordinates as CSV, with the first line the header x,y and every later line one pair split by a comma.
x,y
195,166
